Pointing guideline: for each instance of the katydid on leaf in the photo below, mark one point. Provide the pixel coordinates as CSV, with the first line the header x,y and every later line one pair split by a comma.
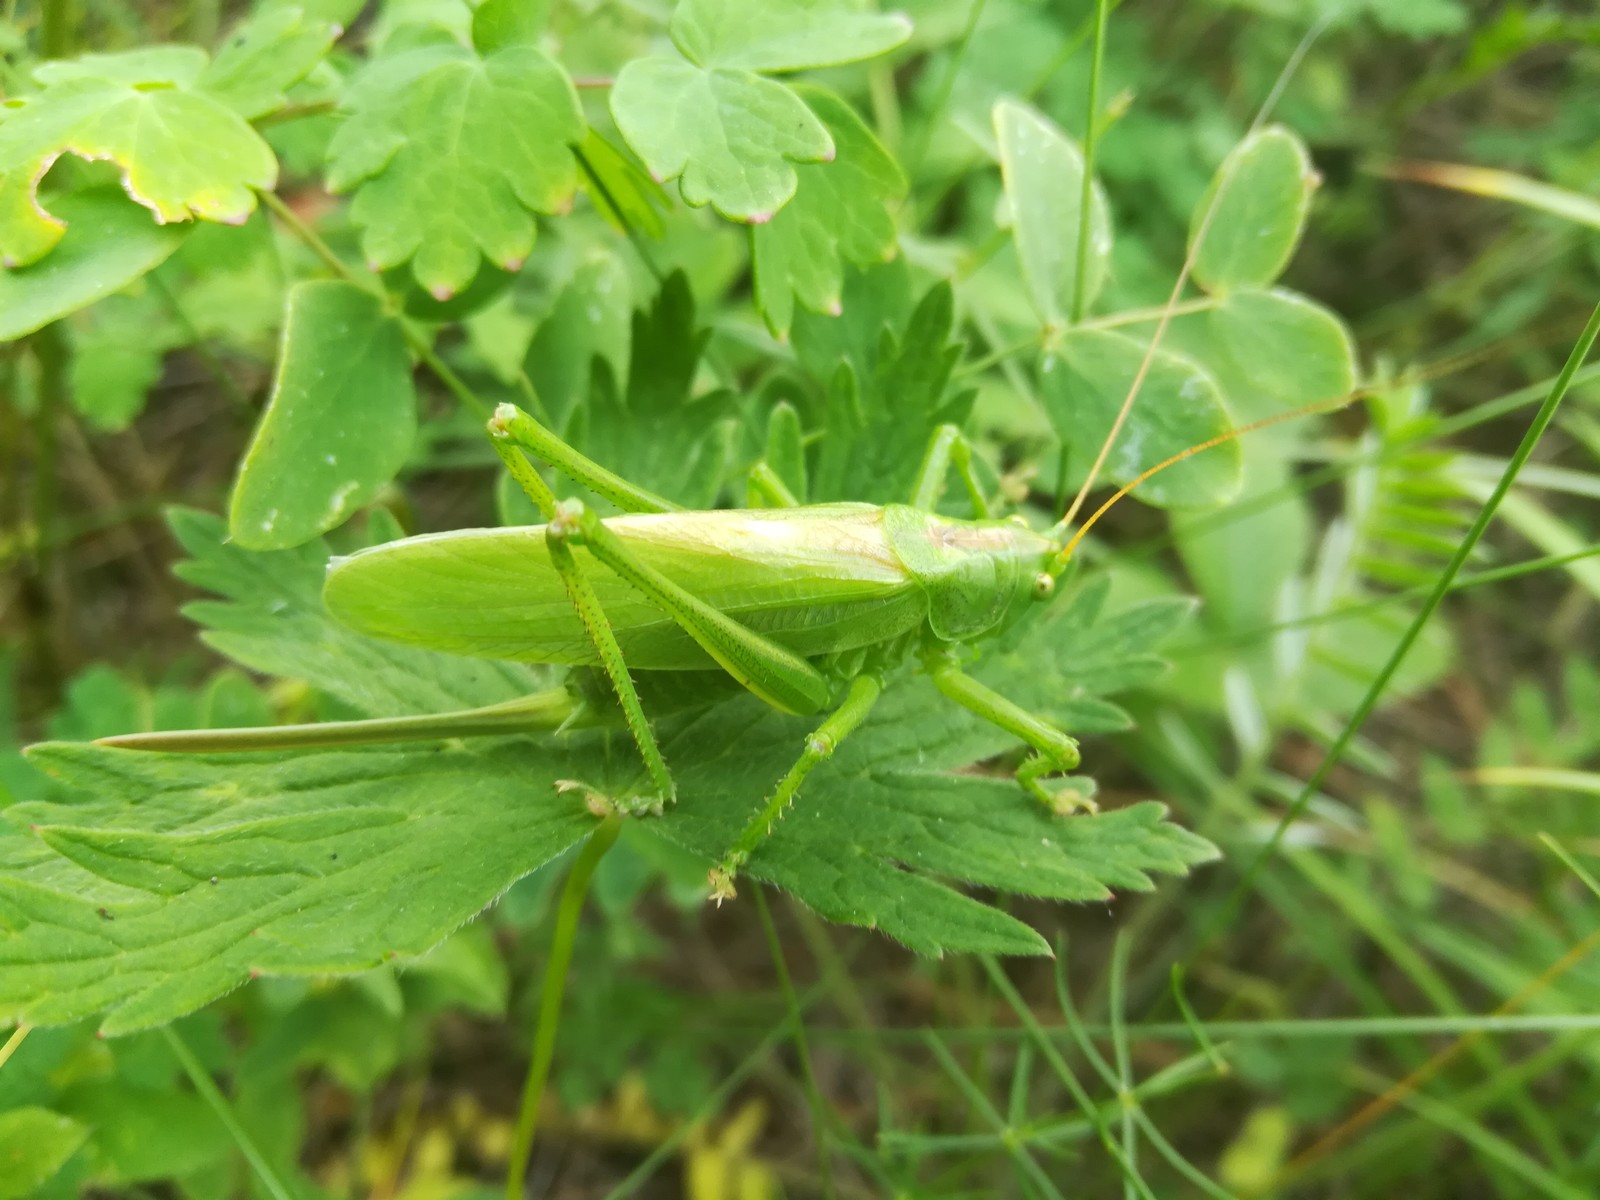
x,y
807,607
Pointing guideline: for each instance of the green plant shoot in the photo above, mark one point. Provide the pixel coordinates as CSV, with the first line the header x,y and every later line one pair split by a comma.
x,y
807,607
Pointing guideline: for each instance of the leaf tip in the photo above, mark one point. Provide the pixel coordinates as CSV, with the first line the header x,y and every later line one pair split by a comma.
x,y
441,292
759,218
834,307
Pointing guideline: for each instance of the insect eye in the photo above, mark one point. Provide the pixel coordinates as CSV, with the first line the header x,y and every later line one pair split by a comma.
x,y
1044,585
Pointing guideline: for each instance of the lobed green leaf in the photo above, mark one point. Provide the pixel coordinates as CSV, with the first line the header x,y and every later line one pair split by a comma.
x,y
782,35
731,138
840,212
451,154
1083,381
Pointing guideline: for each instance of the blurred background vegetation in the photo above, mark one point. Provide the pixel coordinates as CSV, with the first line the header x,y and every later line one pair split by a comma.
x,y
1446,870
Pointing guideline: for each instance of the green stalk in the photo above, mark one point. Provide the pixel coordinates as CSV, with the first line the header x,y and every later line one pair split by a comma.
x,y
13,1043
209,1092
1441,587
1091,135
820,1122
419,344
550,994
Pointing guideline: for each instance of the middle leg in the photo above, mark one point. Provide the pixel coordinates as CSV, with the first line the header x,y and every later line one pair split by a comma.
x,y
1055,752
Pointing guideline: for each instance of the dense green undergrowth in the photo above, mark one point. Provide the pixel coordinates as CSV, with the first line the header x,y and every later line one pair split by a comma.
x,y
269,268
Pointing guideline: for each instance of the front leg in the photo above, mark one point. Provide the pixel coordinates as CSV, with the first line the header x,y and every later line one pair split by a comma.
x,y
564,528
1055,752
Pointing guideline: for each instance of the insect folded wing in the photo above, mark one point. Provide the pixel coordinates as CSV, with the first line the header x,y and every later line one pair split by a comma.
x,y
816,580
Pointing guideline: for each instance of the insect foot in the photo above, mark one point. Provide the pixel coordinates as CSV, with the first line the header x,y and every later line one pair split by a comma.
x,y
721,881
1076,797
602,805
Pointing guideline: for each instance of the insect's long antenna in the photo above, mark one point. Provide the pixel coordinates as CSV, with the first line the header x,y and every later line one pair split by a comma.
x,y
1059,563
1202,228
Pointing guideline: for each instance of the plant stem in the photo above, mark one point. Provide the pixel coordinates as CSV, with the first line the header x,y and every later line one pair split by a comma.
x,y
419,344
206,1086
820,1121
1091,135
550,994
13,1043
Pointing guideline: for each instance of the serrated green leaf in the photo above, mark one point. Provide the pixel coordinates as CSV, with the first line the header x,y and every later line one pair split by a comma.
x,y
1043,173
732,136
840,212
452,154
1083,382
108,244
270,618
183,154
1257,202
35,1143
303,851
270,53
888,387
655,432
782,35
339,424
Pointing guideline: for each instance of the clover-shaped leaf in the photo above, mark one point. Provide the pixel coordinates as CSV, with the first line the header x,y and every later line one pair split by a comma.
x,y
840,212
451,155
732,136
183,153
1083,381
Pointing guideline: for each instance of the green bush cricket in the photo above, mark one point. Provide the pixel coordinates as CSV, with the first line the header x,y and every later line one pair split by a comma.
x,y
807,607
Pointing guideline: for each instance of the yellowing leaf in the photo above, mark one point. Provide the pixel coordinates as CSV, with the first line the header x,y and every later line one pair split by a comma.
x,y
108,244
182,153
452,154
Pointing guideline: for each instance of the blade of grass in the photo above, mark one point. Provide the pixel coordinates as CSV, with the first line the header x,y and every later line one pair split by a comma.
x,y
1380,682
980,1104
212,1095
821,1119
551,992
